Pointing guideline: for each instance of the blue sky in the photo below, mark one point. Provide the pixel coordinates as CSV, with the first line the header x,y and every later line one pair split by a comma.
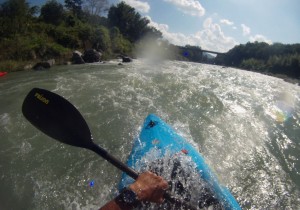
x,y
220,24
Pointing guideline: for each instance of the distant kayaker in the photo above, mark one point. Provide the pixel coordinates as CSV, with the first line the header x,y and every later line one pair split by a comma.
x,y
147,188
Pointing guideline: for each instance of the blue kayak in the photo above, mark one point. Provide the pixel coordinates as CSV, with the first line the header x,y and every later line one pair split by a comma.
x,y
160,149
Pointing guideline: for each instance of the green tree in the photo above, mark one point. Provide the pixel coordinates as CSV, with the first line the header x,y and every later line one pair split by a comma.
x,y
130,22
96,7
253,64
75,6
70,20
193,53
85,34
52,12
277,58
119,44
16,16
101,40
95,20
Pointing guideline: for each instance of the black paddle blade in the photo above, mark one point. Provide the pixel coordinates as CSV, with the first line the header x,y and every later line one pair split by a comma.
x,y
57,118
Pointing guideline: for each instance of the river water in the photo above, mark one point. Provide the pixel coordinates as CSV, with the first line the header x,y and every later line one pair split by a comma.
x,y
246,125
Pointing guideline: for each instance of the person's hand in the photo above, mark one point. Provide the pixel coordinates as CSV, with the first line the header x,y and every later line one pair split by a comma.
x,y
149,187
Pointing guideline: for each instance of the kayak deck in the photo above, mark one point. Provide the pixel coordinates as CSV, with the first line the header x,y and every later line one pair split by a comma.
x,y
161,150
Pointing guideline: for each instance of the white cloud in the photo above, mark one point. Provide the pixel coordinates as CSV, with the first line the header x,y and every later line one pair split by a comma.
x,y
255,38
210,38
162,27
260,38
191,7
246,30
143,7
226,22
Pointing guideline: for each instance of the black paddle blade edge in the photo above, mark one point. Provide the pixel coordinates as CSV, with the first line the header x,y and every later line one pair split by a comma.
x,y
56,117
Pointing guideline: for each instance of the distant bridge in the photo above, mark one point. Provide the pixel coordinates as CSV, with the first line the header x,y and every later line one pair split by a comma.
x,y
196,49
212,52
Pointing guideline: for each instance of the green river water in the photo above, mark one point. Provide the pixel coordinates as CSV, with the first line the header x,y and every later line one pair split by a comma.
x,y
246,125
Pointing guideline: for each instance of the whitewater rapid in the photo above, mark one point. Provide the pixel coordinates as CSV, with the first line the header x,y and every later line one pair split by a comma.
x,y
246,125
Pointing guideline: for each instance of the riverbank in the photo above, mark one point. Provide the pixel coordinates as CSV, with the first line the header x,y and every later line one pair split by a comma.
x,y
294,81
14,66
24,65
285,78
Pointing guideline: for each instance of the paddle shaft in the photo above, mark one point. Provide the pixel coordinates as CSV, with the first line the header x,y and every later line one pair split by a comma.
x,y
120,165
133,174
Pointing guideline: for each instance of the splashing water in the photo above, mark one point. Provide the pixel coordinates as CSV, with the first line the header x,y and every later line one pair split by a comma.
x,y
246,125
184,180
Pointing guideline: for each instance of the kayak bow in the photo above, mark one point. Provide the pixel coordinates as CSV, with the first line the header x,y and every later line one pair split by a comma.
x,y
160,139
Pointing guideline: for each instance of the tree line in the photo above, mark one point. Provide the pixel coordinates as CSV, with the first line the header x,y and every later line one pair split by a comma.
x,y
55,30
277,58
